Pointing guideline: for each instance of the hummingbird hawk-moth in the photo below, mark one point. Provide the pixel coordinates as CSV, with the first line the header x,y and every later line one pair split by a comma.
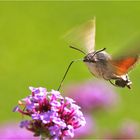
x,y
100,63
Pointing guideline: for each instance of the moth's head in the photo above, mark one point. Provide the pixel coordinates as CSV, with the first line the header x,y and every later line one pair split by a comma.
x,y
96,56
90,58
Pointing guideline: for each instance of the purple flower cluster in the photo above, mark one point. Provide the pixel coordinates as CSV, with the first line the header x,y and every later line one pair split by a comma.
x,y
94,95
52,115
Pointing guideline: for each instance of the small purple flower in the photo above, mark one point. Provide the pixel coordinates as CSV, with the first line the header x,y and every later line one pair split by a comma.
x,y
128,130
93,95
51,115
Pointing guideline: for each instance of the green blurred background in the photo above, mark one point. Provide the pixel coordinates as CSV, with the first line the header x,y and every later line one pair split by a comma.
x,y
33,52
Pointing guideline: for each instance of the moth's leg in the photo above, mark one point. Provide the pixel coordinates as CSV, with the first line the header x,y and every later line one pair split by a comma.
x,y
113,83
114,77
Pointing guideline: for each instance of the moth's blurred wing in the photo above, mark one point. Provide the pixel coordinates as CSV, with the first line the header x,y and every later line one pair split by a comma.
x,y
123,65
125,60
83,36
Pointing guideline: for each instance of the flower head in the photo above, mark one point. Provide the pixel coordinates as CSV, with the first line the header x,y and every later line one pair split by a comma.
x,y
51,115
92,95
128,130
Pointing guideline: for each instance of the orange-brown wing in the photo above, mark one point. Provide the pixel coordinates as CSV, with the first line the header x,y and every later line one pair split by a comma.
x,y
122,66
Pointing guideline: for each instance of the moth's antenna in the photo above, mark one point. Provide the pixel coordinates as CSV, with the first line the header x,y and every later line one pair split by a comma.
x,y
99,51
77,49
67,72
